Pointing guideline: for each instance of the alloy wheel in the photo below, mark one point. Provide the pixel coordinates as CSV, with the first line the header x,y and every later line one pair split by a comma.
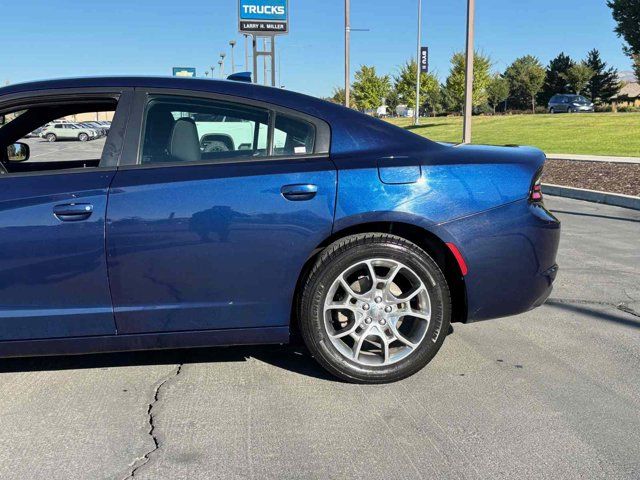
x,y
377,312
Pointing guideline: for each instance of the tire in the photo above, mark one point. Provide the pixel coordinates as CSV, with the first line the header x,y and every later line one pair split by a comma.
x,y
83,137
51,137
396,270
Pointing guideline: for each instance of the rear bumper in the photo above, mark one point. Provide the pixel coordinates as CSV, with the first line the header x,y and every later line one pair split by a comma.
x,y
511,257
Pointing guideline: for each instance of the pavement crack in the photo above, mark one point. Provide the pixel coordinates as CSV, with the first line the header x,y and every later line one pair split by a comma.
x,y
627,309
141,462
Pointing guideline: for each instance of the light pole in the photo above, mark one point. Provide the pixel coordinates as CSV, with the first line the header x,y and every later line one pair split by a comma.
x,y
468,93
221,62
416,120
232,43
246,52
212,69
347,48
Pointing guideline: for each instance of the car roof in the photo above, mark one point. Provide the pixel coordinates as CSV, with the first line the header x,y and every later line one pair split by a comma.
x,y
351,130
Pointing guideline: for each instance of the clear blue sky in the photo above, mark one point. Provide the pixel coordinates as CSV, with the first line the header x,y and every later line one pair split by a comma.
x,y
148,37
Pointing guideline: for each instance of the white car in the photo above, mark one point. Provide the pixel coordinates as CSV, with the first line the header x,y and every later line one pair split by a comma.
x,y
67,131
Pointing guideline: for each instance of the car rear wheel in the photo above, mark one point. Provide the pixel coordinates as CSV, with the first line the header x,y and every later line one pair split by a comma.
x,y
375,308
51,137
83,137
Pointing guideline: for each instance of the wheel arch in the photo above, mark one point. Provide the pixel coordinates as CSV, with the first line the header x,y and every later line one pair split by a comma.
x,y
423,238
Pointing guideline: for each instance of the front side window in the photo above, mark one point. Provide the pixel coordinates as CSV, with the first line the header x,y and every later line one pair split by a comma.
x,y
56,136
185,130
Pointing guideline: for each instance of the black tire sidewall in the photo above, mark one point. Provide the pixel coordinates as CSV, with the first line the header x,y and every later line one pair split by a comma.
x,y
312,314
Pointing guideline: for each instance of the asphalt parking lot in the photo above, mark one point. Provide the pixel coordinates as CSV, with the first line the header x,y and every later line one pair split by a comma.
x,y
554,393
63,150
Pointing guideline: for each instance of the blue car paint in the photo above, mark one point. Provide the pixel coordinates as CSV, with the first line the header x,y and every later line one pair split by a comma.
x,y
213,246
53,274
474,197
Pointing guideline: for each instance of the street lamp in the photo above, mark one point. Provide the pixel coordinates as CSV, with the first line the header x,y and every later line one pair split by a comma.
x,y
232,43
221,62
416,120
246,52
468,93
212,69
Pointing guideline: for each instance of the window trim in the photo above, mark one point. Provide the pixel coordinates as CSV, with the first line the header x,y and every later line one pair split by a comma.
x,y
132,154
114,145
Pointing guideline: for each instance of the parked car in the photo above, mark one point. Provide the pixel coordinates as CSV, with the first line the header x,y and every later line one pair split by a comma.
x,y
68,131
570,104
363,239
99,129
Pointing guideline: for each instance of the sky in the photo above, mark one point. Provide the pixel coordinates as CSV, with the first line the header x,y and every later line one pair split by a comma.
x,y
149,37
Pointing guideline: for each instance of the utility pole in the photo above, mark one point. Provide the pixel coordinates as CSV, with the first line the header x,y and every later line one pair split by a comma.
x,y
468,94
347,52
232,43
416,120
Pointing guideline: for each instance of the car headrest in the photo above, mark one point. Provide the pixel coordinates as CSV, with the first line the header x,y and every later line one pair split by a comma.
x,y
184,145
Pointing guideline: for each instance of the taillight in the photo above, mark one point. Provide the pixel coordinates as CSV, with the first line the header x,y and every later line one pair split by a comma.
x,y
535,195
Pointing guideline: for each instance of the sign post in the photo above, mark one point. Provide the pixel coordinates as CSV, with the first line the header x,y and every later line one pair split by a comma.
x,y
266,19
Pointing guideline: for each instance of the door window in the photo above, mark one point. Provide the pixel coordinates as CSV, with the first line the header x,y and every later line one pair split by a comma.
x,y
179,129
185,130
59,137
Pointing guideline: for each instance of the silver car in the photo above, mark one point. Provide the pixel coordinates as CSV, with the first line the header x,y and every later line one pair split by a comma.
x,y
561,103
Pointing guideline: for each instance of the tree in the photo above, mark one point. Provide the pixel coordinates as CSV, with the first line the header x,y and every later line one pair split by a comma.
x,y
405,86
369,89
497,90
526,76
554,80
578,77
604,84
457,79
338,97
626,13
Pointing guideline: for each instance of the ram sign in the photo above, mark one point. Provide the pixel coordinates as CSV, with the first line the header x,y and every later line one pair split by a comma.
x,y
263,16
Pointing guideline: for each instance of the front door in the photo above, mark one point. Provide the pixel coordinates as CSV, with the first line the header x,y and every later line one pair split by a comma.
x,y
214,225
53,275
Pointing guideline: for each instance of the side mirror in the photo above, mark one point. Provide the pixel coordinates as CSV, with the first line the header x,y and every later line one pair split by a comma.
x,y
18,152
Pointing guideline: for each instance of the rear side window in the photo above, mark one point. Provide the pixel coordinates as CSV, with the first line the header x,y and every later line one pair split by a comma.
x,y
185,130
181,129
293,136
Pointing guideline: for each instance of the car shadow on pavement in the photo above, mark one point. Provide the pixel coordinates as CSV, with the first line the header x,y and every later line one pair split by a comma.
x,y
291,358
597,314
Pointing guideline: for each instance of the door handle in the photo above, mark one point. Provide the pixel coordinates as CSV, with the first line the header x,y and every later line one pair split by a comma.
x,y
73,212
299,193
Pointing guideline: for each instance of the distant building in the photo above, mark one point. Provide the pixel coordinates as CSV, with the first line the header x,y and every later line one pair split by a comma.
x,y
404,111
629,96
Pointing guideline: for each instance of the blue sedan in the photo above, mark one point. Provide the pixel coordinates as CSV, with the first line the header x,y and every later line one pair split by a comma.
x,y
225,213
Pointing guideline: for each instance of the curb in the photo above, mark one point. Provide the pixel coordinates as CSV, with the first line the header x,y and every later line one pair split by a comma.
x,y
606,198
593,158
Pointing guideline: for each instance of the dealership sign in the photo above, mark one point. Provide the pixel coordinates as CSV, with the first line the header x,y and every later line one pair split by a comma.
x,y
184,72
263,16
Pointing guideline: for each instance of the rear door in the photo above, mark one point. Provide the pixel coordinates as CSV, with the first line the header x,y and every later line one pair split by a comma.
x,y
53,276
213,221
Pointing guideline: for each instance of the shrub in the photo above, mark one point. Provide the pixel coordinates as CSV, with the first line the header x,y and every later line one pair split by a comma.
x,y
604,108
628,109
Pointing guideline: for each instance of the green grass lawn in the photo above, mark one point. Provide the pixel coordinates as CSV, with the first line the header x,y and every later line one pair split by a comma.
x,y
616,134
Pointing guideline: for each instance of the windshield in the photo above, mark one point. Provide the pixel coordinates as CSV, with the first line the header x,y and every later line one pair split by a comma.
x,y
578,99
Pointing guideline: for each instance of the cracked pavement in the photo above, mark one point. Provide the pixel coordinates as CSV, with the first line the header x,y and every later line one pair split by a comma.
x,y
553,393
